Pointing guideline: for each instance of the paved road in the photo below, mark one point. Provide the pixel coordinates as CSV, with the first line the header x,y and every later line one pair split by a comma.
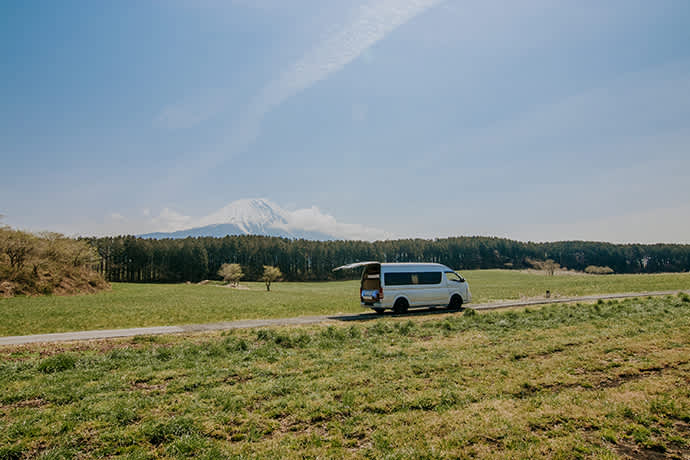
x,y
250,323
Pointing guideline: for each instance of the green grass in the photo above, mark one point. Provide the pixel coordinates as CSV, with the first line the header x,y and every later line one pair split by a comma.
x,y
489,285
138,305
566,381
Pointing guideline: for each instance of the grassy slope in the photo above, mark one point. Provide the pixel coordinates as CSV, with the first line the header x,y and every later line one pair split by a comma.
x,y
568,381
136,305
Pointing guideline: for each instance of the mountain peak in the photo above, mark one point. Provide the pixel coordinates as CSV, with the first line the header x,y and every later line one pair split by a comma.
x,y
249,212
260,216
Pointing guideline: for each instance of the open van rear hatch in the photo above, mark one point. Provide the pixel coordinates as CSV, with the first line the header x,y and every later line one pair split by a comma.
x,y
355,265
370,289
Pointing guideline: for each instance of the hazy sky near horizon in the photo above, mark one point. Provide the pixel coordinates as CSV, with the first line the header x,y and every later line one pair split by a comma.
x,y
534,120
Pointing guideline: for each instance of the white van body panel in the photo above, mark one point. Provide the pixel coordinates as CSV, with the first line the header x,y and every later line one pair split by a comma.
x,y
420,284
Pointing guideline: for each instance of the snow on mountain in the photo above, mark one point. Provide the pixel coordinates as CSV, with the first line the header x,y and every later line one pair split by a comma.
x,y
249,215
260,216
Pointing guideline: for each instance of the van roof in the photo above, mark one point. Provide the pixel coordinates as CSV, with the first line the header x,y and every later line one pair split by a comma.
x,y
407,264
401,265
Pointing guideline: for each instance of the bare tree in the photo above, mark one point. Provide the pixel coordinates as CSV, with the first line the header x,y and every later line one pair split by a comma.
x,y
17,246
67,251
549,265
231,273
270,274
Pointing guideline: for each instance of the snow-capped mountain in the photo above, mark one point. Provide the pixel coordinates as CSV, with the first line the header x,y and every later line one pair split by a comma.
x,y
253,217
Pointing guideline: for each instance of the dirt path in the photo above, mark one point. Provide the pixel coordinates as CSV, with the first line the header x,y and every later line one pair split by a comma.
x,y
251,323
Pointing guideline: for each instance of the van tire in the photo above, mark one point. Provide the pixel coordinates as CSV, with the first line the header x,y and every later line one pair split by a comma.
x,y
401,306
455,303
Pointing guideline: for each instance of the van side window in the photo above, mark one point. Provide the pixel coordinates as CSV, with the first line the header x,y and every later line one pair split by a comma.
x,y
397,279
430,278
400,279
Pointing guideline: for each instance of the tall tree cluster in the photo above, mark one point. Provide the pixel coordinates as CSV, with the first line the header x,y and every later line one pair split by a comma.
x,y
132,259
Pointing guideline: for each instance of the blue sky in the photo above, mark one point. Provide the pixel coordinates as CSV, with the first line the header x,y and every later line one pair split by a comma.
x,y
534,120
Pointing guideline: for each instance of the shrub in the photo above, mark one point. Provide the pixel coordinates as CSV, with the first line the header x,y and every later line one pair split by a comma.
x,y
549,266
334,335
354,332
379,328
287,340
231,273
597,270
405,328
163,354
264,334
56,363
235,344
47,263
14,452
282,339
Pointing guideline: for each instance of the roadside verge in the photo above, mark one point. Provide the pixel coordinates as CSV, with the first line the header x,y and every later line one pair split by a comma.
x,y
252,323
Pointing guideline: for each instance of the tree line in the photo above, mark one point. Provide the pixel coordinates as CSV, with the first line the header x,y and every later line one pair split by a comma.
x,y
133,259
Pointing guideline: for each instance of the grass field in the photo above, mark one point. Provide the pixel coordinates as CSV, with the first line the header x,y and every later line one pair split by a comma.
x,y
138,305
606,380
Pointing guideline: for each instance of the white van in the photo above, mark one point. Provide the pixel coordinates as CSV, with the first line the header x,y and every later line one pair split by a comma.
x,y
400,286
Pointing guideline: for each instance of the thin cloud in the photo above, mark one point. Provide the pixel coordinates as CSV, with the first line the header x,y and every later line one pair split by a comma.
x,y
314,220
170,220
192,111
373,21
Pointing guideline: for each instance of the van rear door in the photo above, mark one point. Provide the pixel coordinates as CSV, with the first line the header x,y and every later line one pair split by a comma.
x,y
370,288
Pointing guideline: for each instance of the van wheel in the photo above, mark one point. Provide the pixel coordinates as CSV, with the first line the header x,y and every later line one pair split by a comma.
x,y
400,306
379,311
455,303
